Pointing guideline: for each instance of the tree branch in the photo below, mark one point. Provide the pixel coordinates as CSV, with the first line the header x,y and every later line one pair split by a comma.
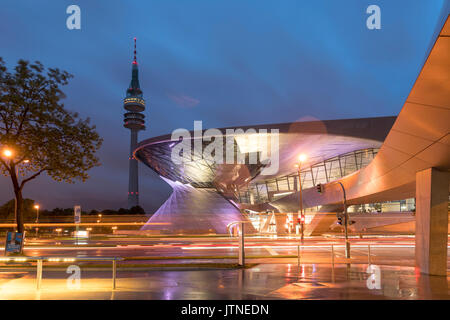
x,y
5,121
32,177
23,117
6,165
20,160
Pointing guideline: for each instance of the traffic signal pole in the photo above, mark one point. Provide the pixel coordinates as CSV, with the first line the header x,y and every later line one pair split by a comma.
x,y
347,243
319,188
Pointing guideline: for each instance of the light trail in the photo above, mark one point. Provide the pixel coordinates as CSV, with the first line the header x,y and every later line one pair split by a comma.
x,y
303,247
224,246
82,224
119,247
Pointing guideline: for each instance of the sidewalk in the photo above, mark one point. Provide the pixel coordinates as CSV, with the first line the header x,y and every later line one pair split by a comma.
x,y
265,281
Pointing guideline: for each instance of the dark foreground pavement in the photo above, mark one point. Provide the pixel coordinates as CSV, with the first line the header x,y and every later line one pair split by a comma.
x,y
264,281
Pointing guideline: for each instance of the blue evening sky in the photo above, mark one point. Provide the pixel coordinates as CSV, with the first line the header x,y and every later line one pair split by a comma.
x,y
226,62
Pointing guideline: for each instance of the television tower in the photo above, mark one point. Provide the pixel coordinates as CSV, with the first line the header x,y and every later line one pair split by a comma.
x,y
133,119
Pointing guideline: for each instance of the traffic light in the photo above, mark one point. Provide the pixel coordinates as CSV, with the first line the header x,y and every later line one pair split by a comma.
x,y
319,188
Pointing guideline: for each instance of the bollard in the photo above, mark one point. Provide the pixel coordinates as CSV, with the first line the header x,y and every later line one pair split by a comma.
x,y
38,274
298,255
241,244
347,249
332,264
332,255
114,271
368,255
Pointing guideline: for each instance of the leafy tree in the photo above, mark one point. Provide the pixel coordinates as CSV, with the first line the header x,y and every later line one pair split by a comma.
x,y
40,133
29,212
137,210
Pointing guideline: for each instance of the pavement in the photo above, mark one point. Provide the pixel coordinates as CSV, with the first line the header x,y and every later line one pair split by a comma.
x,y
278,268
264,281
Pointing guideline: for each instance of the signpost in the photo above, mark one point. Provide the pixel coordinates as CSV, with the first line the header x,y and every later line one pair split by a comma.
x,y
77,220
14,243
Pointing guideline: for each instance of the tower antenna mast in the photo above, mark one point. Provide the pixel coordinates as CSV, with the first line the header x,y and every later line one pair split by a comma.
x,y
134,120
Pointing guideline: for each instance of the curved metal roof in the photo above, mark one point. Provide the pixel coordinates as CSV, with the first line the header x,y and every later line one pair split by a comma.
x,y
320,140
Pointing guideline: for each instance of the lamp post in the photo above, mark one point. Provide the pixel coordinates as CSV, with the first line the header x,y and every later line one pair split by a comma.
x,y
36,206
301,218
9,154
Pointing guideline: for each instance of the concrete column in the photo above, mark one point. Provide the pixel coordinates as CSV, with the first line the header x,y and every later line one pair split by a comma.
x,y
432,221
241,259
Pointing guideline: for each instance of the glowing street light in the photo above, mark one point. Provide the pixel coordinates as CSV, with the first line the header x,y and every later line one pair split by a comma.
x,y
7,153
302,158
36,206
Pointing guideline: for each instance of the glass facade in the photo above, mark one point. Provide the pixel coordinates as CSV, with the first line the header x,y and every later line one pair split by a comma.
x,y
323,172
406,205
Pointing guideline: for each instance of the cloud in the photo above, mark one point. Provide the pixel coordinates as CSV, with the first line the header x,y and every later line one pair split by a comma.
x,y
183,100
228,63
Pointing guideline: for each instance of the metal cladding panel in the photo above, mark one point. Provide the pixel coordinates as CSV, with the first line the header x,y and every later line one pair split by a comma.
x,y
321,140
193,210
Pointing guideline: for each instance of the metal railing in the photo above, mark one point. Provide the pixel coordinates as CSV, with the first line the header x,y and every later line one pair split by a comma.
x,y
333,254
40,263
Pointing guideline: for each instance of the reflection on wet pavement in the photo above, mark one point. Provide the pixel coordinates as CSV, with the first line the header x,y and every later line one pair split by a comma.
x,y
265,281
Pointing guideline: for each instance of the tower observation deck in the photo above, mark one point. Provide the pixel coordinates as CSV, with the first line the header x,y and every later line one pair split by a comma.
x,y
133,118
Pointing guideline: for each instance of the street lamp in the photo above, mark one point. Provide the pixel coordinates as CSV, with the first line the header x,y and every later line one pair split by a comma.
x,y
36,206
7,153
301,217
302,157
